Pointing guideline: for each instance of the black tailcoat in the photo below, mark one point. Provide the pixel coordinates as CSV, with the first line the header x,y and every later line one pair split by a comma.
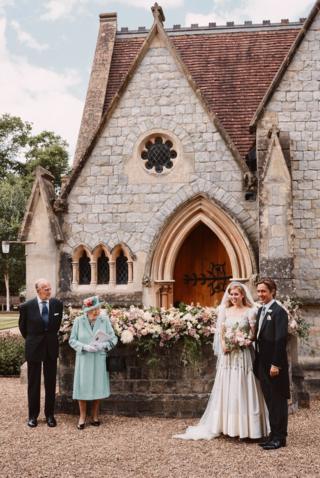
x,y
271,347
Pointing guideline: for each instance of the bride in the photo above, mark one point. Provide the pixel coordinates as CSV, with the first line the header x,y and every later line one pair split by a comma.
x,y
236,406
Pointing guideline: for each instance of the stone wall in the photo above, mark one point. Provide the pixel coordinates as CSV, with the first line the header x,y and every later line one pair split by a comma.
x,y
167,389
115,199
295,109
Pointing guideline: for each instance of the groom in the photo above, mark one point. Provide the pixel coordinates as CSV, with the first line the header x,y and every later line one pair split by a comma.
x,y
271,363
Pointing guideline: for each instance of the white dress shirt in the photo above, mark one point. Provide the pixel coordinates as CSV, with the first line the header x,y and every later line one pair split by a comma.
x,y
266,308
40,303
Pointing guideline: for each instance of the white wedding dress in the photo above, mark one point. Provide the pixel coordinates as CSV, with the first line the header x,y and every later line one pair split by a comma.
x,y
236,406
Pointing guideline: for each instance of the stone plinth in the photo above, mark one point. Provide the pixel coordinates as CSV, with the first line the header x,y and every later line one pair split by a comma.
x,y
165,389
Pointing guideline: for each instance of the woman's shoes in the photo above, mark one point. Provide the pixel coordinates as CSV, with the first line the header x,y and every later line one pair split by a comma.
x,y
81,426
95,423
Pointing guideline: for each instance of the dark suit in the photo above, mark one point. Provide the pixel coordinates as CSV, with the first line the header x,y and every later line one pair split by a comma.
x,y
41,346
271,350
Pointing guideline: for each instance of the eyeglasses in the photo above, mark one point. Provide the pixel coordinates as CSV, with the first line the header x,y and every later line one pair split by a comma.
x,y
48,289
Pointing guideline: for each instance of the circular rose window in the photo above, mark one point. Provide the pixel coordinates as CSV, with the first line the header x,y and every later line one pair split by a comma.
x,y
158,154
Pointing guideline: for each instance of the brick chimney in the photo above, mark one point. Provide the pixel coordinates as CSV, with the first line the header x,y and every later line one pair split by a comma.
x,y
93,107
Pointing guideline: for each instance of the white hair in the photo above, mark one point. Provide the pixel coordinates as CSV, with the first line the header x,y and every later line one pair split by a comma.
x,y
41,282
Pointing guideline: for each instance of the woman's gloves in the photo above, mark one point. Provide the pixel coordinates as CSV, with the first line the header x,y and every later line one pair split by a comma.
x,y
102,346
89,348
96,347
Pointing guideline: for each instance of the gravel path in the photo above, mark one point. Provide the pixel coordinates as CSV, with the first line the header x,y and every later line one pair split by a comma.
x,y
133,448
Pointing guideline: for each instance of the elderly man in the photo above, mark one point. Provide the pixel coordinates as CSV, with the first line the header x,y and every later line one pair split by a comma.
x,y
39,322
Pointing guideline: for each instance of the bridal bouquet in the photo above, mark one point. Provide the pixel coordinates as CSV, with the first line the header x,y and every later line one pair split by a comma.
x,y
236,338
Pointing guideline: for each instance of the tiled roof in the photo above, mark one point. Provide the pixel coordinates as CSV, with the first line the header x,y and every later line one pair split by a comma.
x,y
233,70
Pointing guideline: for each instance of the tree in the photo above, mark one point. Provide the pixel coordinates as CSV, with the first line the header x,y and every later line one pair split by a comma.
x,y
21,152
14,137
49,151
12,205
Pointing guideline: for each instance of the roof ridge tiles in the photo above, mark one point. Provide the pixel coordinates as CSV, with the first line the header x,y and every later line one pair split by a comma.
x,y
213,27
229,25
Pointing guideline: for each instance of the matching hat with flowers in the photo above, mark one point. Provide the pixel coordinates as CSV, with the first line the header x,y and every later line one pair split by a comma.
x,y
91,303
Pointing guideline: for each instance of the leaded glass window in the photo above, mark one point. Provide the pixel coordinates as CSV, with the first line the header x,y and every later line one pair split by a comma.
x,y
121,269
84,269
158,154
103,269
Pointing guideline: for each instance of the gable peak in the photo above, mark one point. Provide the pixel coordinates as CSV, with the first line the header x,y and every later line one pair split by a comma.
x,y
158,13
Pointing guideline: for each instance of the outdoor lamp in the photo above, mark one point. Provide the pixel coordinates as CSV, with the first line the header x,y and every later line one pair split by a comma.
x,y
5,247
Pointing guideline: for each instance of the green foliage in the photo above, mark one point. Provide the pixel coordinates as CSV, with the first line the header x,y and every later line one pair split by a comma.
x,y
14,137
11,354
49,151
13,199
21,151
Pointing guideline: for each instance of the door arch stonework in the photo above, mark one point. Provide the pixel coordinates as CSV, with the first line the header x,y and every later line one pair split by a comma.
x,y
198,210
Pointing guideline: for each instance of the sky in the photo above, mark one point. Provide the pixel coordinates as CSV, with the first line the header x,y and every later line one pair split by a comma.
x,y
47,47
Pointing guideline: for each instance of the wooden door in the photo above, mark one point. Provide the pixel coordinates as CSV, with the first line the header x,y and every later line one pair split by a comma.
x,y
200,249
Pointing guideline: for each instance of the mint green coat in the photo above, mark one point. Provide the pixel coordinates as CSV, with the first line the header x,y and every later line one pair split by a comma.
x,y
91,379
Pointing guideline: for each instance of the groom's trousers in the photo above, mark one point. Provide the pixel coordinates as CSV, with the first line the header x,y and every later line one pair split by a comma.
x,y
276,403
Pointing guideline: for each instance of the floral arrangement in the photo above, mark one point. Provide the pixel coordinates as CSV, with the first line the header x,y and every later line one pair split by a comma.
x,y
237,337
195,325
297,324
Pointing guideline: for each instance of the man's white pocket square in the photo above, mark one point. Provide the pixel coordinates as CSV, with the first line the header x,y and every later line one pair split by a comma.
x,y
56,313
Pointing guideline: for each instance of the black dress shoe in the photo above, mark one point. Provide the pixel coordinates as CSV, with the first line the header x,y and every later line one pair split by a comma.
x,y
81,426
51,422
274,444
32,422
266,441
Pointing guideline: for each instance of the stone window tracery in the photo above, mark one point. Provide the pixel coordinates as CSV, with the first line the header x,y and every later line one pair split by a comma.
x,y
84,269
101,266
158,153
121,269
103,269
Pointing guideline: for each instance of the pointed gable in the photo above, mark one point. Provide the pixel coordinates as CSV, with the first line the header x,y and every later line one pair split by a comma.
x,y
285,64
157,29
232,71
42,190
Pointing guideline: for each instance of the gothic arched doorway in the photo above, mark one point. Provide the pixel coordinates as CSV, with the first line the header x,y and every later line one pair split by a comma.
x,y
221,234
201,257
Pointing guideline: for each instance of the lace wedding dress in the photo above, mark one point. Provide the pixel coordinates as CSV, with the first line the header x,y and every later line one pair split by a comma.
x,y
236,406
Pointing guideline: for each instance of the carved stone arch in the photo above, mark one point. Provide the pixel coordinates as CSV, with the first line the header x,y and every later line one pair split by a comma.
x,y
76,256
96,255
200,209
189,192
122,249
97,251
144,128
78,250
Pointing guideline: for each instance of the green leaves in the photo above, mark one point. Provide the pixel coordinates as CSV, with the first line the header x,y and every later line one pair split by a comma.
x,y
21,151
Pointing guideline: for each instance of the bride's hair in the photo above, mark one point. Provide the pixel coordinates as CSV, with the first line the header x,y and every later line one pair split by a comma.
x,y
236,285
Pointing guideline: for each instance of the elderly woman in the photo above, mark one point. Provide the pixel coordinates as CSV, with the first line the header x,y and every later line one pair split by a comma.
x,y
92,336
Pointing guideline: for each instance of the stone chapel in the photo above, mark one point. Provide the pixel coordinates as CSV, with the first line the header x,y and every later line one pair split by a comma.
x,y
198,160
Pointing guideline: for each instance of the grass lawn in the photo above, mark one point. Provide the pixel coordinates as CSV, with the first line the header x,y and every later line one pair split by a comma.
x,y
8,321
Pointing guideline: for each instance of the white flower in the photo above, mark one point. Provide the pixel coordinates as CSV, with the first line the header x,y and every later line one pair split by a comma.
x,y
126,337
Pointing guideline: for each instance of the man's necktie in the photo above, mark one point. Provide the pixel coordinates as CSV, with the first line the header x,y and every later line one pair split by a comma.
x,y
263,313
45,314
